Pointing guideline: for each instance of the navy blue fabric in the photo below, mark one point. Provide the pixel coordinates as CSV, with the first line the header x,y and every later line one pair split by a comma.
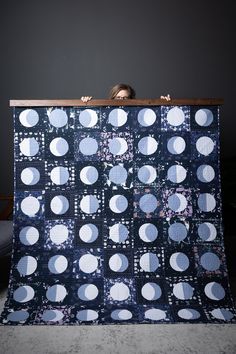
x,y
118,217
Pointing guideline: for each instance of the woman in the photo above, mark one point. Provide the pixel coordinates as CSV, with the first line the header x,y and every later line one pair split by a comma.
x,y
121,92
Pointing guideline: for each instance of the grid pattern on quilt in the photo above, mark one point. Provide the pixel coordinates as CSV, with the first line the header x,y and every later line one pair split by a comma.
x,y
117,217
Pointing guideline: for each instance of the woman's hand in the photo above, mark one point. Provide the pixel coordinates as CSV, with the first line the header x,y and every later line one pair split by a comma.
x,y
167,98
85,99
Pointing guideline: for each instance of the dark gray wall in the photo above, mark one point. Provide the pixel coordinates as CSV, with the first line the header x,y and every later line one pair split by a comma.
x,y
65,49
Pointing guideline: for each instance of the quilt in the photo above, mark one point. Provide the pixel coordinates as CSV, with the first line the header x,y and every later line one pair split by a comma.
x,y
117,216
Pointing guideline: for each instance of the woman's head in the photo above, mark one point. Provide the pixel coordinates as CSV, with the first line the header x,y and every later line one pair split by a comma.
x,y
122,92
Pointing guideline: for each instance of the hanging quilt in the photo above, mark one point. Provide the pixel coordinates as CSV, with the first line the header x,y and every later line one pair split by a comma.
x,y
117,215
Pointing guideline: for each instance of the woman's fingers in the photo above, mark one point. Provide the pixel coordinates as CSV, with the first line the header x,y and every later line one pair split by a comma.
x,y
86,98
167,98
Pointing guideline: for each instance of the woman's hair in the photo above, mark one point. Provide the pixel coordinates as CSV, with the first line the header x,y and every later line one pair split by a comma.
x,y
117,88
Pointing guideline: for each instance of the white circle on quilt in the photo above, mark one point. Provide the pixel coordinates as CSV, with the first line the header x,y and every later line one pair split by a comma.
x,y
29,235
179,261
207,231
18,316
214,291
118,262
119,292
210,261
147,145
30,206
88,118
175,116
148,232
58,118
118,203
146,117
151,291
59,234
149,262
206,202
29,147
87,315
59,204
204,117
88,146
205,173
176,145
118,146
29,118
177,231
117,117
56,293
87,292
89,175
27,265
52,316
30,176
57,264
222,314
23,294
147,174
177,202
88,263
121,315
205,145
59,146
148,203
155,314
118,233
188,314
59,175
89,204
176,173
88,233
118,174
183,291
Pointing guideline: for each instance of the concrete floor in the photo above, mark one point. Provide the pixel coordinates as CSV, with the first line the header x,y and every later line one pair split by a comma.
x,y
137,339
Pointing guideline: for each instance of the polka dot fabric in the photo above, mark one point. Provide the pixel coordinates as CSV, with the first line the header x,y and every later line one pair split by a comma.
x,y
117,217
